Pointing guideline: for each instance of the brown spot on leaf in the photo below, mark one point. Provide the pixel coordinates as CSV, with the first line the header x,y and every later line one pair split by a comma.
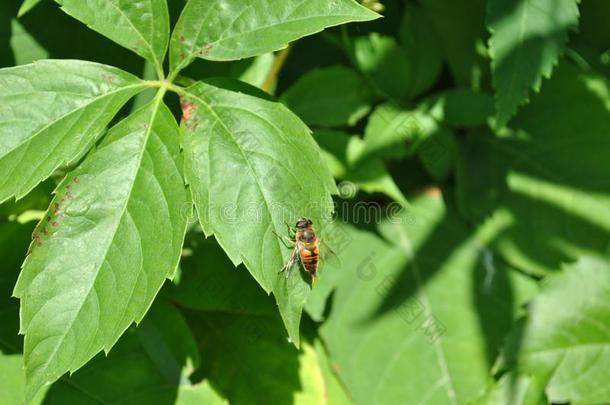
x,y
187,108
55,224
76,179
182,39
44,231
203,52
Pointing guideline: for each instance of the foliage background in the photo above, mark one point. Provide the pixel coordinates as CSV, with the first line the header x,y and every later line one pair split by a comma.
x,y
470,141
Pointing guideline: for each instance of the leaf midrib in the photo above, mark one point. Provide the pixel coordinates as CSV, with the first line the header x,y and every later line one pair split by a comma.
x,y
244,156
67,114
157,101
440,354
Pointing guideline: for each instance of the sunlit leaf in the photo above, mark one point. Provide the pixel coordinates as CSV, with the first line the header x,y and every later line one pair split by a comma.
x,y
51,112
26,6
253,167
233,29
139,25
565,339
112,235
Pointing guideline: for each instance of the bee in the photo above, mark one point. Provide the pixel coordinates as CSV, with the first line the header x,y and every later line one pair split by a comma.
x,y
306,248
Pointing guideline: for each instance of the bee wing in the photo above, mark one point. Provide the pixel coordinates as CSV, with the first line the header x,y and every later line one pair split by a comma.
x,y
291,261
327,255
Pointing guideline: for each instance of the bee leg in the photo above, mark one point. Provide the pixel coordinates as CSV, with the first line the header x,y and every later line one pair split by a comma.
x,y
290,228
285,240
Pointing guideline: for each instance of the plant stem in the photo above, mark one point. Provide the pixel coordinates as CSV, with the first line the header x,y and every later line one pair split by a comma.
x,y
276,67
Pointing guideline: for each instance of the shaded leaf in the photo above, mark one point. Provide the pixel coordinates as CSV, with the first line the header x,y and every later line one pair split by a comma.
x,y
420,44
385,62
51,112
460,27
343,154
527,37
228,30
565,340
208,281
151,363
14,240
550,177
112,235
276,175
249,360
141,25
430,307
461,108
330,97
437,153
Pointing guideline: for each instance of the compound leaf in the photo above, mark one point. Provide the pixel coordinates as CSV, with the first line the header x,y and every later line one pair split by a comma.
x,y
527,37
139,25
234,29
112,235
51,112
252,167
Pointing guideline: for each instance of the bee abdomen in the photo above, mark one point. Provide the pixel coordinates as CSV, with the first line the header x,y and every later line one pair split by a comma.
x,y
310,258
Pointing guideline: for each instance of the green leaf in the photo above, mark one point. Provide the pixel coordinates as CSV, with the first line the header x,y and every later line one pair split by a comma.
x,y
514,389
343,154
252,167
421,45
384,61
393,132
26,6
437,153
12,383
430,307
565,340
249,358
208,281
460,27
527,37
151,363
112,235
25,47
229,30
330,97
141,26
51,112
461,108
548,179
14,240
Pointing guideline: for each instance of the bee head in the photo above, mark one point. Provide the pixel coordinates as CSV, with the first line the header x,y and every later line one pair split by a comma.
x,y
303,223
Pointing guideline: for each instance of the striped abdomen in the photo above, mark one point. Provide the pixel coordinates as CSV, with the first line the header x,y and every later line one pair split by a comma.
x,y
310,256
